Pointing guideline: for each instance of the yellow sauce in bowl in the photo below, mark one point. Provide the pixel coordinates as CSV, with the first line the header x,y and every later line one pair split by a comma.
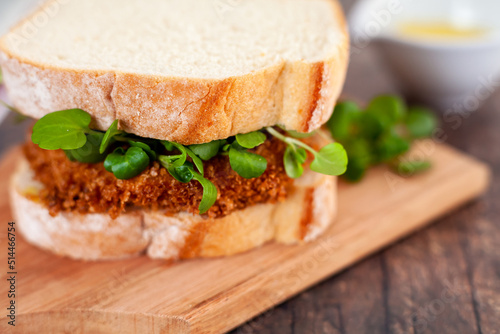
x,y
440,31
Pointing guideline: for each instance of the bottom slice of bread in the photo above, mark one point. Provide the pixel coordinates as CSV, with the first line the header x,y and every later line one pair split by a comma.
x,y
308,210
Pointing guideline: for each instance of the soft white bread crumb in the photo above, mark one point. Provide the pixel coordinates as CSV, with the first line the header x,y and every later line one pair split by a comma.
x,y
189,71
181,38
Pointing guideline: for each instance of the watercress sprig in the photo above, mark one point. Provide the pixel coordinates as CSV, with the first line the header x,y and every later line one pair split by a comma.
x,y
126,164
247,164
330,160
108,136
66,129
381,133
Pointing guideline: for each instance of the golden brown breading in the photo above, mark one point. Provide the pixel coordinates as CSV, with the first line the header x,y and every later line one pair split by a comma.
x,y
89,188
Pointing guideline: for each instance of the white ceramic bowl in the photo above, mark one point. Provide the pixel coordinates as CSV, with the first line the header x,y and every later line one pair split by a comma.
x,y
454,74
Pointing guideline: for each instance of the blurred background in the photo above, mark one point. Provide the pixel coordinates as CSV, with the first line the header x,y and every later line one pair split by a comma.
x,y
443,53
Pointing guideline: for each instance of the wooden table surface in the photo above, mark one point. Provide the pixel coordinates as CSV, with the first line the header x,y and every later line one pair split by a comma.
x,y
444,279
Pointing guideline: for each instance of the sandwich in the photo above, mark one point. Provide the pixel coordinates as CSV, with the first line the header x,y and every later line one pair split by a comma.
x,y
179,129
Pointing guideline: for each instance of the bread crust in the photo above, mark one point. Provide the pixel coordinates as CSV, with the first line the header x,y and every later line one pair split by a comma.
x,y
296,95
307,212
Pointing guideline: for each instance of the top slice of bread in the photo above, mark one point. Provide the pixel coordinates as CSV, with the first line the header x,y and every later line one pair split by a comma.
x,y
189,71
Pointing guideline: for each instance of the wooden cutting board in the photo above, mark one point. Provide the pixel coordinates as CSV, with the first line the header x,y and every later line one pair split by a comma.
x,y
58,295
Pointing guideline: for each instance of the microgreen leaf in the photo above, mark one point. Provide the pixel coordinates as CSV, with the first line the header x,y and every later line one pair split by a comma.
x,y
183,173
359,157
370,127
293,159
170,161
420,122
301,155
108,136
248,165
330,160
391,146
197,161
409,168
145,147
356,169
169,146
174,160
379,134
207,151
88,153
300,135
69,155
251,140
126,164
209,193
65,129
342,124
387,109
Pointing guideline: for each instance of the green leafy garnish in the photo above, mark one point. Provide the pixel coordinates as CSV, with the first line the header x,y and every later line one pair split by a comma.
x,y
126,164
409,168
382,133
420,122
246,164
388,110
173,160
343,123
330,160
89,152
209,193
207,151
183,173
293,160
180,159
251,140
389,146
145,147
360,157
108,136
197,161
300,135
65,129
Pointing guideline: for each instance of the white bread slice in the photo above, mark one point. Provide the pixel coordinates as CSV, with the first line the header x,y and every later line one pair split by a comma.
x,y
307,212
189,71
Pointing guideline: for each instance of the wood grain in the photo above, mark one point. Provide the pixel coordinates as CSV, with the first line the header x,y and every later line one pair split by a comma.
x,y
201,296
